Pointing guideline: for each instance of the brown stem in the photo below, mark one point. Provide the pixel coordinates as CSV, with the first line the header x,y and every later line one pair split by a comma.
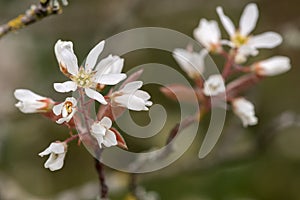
x,y
103,190
71,138
35,13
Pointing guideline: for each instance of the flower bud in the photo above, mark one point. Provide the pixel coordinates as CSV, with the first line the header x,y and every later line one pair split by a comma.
x,y
244,109
272,66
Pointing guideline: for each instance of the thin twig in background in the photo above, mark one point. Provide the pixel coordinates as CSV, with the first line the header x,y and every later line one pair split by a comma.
x,y
35,13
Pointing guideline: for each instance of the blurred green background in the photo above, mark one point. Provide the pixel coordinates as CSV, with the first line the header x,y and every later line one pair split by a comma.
x,y
261,162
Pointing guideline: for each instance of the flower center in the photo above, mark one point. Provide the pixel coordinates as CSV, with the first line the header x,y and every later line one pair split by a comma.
x,y
69,107
83,78
239,40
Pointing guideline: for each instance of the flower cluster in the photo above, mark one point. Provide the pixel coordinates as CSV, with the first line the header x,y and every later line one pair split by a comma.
x,y
89,80
236,50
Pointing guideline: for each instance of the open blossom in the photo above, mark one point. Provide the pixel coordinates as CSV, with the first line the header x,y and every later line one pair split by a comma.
x,y
214,85
86,77
208,34
244,109
100,130
190,62
272,66
66,109
57,151
30,102
241,38
131,97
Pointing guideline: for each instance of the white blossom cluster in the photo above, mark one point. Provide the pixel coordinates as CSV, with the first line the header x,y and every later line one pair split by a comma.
x,y
89,79
241,44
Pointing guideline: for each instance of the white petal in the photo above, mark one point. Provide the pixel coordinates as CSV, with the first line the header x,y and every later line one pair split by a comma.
x,y
65,86
57,109
190,62
95,95
248,19
61,120
24,94
98,130
266,40
106,122
110,65
132,86
207,33
93,56
226,21
110,139
274,66
142,94
66,57
110,79
55,163
57,147
131,102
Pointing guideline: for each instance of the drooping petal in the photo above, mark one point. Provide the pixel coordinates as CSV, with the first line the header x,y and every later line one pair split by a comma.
x,y
66,57
98,130
248,19
142,94
65,86
106,122
95,95
266,40
57,109
109,139
24,94
55,162
110,79
93,56
226,21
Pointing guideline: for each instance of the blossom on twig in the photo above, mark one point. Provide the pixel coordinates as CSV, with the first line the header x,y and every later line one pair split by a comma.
x,y
272,66
57,151
131,97
190,62
244,109
208,34
86,77
101,131
214,85
30,102
66,109
240,38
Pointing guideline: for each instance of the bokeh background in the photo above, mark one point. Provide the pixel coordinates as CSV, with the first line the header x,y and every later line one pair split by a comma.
x,y
261,162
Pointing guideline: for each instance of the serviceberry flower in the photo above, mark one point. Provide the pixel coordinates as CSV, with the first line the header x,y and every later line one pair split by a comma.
x,y
131,97
240,38
214,85
30,102
57,151
244,109
208,34
66,109
101,131
190,62
85,77
272,66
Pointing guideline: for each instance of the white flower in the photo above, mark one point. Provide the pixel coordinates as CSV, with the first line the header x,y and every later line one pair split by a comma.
x,y
241,38
66,109
85,77
100,130
244,109
214,85
30,102
272,66
208,34
131,97
57,151
190,62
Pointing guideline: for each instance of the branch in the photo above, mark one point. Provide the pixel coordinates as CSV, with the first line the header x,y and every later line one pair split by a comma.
x,y
35,13
103,190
